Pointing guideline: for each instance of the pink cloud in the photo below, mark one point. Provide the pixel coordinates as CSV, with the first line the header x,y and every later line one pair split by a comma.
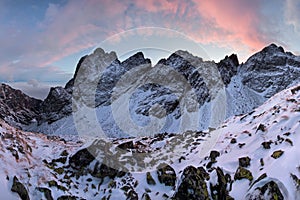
x,y
80,25
241,19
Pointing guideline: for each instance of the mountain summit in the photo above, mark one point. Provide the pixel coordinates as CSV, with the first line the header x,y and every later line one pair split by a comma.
x,y
246,86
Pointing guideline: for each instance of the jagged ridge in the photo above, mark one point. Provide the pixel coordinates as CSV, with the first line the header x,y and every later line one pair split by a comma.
x,y
247,86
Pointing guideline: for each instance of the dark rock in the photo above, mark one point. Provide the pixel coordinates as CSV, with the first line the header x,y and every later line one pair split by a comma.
x,y
193,185
244,161
241,145
266,70
228,68
17,108
47,193
102,171
64,153
213,155
295,89
262,162
261,127
126,145
166,175
277,154
67,197
296,180
146,197
242,173
220,191
269,190
233,141
150,179
267,145
132,195
81,159
19,188
58,104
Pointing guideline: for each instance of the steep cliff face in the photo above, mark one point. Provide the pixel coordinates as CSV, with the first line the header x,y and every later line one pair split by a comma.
x,y
270,70
58,104
16,107
228,68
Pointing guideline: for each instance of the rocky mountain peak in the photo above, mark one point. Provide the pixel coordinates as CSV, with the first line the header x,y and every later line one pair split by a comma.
x,y
271,52
264,74
228,67
70,83
233,58
98,54
16,107
270,70
184,55
135,60
272,48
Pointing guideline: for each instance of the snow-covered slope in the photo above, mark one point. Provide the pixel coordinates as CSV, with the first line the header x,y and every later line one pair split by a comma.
x,y
270,137
256,156
27,165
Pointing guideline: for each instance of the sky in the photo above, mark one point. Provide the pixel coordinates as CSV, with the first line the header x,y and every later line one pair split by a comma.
x,y
42,41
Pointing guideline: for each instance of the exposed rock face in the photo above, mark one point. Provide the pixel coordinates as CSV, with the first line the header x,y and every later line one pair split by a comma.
x,y
56,106
19,188
112,74
166,175
269,190
247,86
16,107
193,185
228,68
81,159
220,190
270,70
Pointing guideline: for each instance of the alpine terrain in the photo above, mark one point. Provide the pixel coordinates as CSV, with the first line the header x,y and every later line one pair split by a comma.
x,y
231,130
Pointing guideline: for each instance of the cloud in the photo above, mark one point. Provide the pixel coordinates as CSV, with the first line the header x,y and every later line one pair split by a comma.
x,y
292,14
240,21
11,72
66,29
33,82
38,90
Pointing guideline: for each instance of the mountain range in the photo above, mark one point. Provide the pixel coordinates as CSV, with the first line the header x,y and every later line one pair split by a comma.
x,y
244,87
242,145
